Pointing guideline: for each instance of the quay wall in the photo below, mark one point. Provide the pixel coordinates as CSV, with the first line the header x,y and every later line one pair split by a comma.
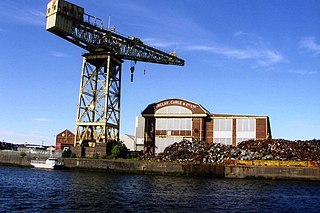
x,y
275,172
181,169
146,167
205,170
16,159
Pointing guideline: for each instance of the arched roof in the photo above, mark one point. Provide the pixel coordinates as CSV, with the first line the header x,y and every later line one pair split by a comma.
x,y
196,109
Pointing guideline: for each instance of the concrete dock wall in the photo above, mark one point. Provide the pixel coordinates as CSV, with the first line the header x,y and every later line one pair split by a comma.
x,y
15,158
266,172
182,169
146,167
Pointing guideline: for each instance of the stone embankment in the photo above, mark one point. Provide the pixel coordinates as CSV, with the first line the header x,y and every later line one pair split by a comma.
x,y
14,158
145,167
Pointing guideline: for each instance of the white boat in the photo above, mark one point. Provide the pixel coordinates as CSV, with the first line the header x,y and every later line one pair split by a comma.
x,y
50,163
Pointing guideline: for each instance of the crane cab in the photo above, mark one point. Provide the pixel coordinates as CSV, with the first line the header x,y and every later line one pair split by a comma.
x,y
61,15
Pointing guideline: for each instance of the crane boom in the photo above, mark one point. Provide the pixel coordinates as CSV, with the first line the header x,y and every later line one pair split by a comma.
x,y
69,22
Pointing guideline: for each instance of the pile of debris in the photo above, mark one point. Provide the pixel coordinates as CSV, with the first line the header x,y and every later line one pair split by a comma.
x,y
184,151
271,149
279,149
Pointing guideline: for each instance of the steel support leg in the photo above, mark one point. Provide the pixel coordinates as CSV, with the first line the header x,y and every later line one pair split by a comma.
x,y
98,116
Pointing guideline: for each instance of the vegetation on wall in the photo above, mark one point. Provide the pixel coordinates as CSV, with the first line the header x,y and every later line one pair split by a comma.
x,y
66,153
23,154
119,150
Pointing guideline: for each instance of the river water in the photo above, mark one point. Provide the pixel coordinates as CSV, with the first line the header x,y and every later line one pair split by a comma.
x,y
32,190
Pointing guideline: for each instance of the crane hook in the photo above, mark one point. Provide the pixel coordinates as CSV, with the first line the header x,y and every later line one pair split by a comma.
x,y
132,71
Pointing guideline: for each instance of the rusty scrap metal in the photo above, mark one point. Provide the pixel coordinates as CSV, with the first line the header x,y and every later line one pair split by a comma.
x,y
271,149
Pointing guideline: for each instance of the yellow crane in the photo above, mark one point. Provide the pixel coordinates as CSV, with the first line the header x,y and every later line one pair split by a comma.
x,y
98,114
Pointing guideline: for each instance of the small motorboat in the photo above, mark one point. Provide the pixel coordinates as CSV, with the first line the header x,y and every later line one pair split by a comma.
x,y
50,163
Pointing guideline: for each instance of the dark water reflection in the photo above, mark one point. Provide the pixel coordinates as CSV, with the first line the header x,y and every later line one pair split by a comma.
x,y
31,190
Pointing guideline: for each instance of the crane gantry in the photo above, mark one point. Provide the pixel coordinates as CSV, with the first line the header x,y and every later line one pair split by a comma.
x,y
98,114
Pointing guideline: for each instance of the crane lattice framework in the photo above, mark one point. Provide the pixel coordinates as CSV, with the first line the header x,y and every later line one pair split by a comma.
x,y
98,116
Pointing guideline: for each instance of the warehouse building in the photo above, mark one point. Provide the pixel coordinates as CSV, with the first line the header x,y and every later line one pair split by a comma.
x,y
65,140
172,120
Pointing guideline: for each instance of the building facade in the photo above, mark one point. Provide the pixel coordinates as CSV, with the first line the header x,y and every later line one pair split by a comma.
x,y
172,120
64,139
128,140
139,134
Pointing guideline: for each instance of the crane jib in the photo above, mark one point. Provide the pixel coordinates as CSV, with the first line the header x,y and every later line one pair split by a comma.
x,y
69,22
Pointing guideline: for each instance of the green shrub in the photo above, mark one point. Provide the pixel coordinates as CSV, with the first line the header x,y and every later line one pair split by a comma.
x,y
66,153
116,151
132,155
23,154
119,150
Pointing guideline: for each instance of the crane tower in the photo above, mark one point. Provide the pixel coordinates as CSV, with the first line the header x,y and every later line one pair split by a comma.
x,y
98,114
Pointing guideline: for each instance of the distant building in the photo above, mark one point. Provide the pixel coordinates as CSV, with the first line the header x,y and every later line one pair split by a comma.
x,y
34,148
139,139
128,140
172,120
8,146
64,140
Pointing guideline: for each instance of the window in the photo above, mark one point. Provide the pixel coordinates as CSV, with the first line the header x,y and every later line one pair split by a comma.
x,y
222,124
173,124
173,110
223,130
246,129
225,141
246,125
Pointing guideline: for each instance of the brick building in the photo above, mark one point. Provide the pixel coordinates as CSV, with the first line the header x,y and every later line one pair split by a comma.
x,y
172,120
65,139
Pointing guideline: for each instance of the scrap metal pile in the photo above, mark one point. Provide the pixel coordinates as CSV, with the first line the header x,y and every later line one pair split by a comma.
x,y
271,149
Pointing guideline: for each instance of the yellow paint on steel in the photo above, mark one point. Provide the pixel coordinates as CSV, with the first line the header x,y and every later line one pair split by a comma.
x,y
274,163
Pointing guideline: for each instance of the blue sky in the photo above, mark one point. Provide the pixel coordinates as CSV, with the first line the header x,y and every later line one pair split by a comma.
x,y
242,57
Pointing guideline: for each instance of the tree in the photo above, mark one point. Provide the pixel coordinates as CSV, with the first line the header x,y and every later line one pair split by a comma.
x,y
66,153
119,150
23,154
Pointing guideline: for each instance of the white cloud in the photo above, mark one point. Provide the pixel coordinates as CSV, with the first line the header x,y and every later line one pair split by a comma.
x,y
252,36
159,42
254,49
32,17
268,57
41,120
16,12
229,52
57,54
310,43
262,56
303,72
